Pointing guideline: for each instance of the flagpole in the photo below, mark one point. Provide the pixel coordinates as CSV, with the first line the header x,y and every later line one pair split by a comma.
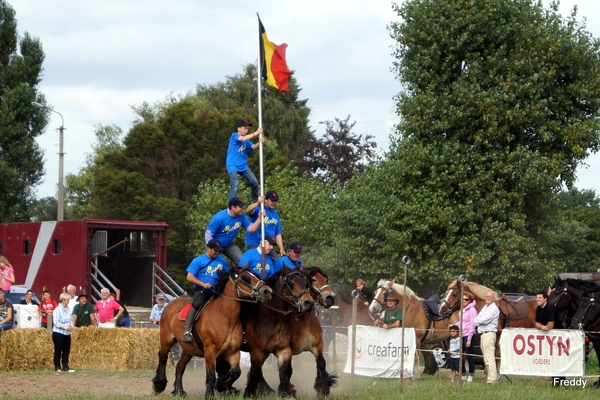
x,y
260,148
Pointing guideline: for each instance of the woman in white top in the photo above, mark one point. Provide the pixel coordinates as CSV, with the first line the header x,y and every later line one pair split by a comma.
x,y
62,325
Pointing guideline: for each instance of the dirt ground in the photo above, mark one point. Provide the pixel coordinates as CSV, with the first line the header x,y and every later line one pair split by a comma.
x,y
137,384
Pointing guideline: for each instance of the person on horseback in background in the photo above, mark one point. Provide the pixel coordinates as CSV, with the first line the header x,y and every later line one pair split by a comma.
x,y
225,225
253,259
365,292
272,223
203,273
292,259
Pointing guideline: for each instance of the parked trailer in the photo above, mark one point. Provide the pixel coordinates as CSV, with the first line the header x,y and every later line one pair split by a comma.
x,y
87,254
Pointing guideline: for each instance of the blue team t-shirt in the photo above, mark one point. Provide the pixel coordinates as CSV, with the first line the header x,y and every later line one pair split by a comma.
x,y
206,269
253,259
272,226
225,227
237,154
287,261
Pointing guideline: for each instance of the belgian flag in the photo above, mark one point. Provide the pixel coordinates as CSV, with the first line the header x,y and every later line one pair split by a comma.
x,y
273,67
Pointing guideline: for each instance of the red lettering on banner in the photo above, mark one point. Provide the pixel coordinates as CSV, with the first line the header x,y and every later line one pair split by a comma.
x,y
566,346
550,340
531,345
519,340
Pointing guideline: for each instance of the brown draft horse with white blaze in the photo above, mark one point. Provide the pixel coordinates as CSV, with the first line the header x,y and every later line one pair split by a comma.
x,y
426,331
220,328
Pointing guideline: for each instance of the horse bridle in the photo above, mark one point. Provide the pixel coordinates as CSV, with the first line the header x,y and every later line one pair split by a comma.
x,y
255,289
450,310
294,299
580,322
319,290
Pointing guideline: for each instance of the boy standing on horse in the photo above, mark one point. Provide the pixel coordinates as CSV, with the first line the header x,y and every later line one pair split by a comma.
x,y
392,316
237,158
271,220
225,225
203,273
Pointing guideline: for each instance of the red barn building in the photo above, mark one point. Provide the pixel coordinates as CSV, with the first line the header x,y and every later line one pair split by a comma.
x,y
89,254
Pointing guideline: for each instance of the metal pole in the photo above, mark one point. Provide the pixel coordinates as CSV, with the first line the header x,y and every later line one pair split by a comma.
x,y
462,280
405,261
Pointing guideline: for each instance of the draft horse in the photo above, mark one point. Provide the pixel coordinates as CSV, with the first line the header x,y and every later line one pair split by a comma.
x,y
427,330
218,332
566,295
587,318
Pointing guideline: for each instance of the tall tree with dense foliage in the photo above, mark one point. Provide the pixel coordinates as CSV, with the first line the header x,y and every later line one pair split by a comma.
x,y
499,107
340,152
21,159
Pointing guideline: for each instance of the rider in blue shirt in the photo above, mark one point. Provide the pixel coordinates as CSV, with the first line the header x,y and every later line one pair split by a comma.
x,y
292,259
238,150
203,273
271,220
253,259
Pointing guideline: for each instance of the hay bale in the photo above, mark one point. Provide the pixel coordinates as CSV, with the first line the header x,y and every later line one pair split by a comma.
x,y
117,349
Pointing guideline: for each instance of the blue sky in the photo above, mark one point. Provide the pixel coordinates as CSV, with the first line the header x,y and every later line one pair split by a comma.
x,y
102,57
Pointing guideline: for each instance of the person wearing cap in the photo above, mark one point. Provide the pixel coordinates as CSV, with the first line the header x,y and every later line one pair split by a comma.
x,y
225,225
240,145
271,220
392,317
157,310
253,259
203,273
83,313
291,259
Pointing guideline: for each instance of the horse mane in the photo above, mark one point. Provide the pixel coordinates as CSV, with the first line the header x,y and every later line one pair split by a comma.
x,y
222,280
398,288
480,291
343,290
583,284
316,270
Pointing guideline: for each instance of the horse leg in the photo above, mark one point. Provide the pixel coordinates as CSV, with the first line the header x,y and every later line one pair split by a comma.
x,y
179,370
210,361
324,381
229,371
284,359
159,382
256,382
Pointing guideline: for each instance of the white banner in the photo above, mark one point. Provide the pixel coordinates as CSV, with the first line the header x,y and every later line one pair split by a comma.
x,y
558,352
378,351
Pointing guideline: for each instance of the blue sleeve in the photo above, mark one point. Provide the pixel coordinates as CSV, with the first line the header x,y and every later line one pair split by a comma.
x,y
245,222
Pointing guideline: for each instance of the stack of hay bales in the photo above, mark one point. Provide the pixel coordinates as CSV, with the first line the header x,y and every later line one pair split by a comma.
x,y
91,348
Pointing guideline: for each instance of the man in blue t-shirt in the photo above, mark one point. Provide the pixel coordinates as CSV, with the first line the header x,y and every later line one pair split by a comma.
x,y
203,273
225,225
292,259
237,158
253,259
271,220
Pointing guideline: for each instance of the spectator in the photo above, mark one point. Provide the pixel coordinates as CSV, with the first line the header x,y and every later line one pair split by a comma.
x,y
62,325
271,220
392,317
546,315
366,293
291,259
454,352
487,325
157,310
237,158
28,300
105,310
7,275
6,313
123,321
47,305
468,334
225,225
71,289
203,273
83,313
253,259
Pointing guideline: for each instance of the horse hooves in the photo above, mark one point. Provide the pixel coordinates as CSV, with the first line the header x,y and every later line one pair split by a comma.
x,y
180,393
158,386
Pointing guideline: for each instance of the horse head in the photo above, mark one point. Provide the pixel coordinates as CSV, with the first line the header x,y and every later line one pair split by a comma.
x,y
384,288
296,289
319,286
248,286
453,297
559,294
588,313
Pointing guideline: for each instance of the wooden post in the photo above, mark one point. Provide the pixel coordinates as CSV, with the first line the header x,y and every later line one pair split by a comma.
x,y
405,261
352,360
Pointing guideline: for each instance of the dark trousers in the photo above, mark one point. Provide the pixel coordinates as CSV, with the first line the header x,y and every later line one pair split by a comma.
x,y
469,351
62,349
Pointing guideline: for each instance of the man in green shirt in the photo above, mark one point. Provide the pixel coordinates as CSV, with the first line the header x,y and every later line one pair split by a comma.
x,y
84,313
392,317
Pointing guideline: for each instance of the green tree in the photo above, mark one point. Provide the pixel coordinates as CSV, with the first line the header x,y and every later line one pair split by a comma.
x,y
21,159
44,209
499,107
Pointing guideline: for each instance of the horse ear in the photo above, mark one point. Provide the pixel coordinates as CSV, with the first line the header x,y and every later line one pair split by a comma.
x,y
392,282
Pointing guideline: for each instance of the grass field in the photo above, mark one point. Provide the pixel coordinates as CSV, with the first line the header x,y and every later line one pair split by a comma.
x,y
136,385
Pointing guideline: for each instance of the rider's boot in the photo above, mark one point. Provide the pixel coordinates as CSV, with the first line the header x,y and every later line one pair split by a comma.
x,y
189,321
